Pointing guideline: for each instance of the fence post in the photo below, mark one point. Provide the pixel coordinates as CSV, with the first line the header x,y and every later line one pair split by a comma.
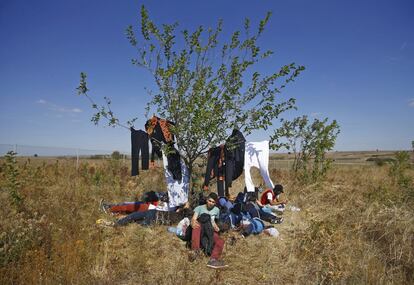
x,y
77,159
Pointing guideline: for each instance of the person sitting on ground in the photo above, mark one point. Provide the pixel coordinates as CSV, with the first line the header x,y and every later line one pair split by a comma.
x,y
218,244
274,199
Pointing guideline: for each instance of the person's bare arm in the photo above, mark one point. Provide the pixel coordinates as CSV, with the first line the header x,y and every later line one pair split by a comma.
x,y
281,200
194,222
215,227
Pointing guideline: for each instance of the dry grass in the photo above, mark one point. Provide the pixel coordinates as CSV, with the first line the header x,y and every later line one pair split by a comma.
x,y
354,228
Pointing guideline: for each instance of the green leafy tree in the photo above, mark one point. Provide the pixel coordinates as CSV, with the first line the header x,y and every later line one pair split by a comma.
x,y
205,87
309,142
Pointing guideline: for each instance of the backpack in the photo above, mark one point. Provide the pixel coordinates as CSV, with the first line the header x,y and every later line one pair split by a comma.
x,y
239,204
241,198
226,221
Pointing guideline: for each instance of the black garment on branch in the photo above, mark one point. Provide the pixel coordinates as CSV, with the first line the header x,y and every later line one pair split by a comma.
x,y
234,156
174,164
139,143
215,168
226,162
156,149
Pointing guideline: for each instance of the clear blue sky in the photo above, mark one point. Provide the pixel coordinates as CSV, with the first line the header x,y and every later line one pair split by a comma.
x,y
359,58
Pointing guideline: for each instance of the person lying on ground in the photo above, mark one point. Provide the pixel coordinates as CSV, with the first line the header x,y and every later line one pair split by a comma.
x,y
149,198
212,212
160,214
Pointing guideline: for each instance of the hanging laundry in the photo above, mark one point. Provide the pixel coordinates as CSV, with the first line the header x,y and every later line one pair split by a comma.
x,y
156,149
139,143
159,132
177,189
174,163
257,155
234,157
215,168
225,162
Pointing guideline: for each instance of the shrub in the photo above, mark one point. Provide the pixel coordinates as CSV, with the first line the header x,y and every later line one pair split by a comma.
x,y
116,155
19,234
400,164
399,176
381,161
12,178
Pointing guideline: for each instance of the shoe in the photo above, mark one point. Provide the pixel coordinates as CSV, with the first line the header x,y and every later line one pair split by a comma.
x,y
101,206
277,220
104,207
105,223
216,264
279,210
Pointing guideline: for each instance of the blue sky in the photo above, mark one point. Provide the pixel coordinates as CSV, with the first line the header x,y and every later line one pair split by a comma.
x,y
359,58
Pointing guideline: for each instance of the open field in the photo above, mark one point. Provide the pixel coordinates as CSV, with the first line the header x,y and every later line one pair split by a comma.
x,y
355,227
276,160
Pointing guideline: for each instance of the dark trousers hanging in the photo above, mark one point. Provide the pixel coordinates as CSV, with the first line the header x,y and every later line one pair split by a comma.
x,y
215,169
139,143
220,187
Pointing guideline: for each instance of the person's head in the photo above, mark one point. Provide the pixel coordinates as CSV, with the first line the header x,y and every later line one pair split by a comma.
x,y
150,197
246,228
187,212
211,200
278,189
252,196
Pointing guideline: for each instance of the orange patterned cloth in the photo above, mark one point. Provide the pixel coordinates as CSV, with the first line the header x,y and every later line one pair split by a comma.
x,y
164,125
